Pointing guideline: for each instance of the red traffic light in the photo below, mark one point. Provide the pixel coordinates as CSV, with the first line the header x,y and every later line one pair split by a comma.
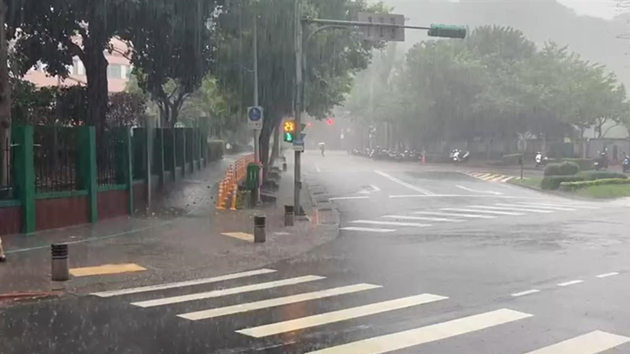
x,y
330,121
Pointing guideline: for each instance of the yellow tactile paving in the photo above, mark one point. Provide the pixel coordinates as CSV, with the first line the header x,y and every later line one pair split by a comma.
x,y
106,269
240,235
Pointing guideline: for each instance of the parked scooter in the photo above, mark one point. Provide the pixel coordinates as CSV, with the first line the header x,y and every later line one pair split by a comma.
x,y
602,161
541,160
625,164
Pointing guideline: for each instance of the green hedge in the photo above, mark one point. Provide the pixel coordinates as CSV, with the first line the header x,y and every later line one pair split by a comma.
x,y
553,182
215,149
571,186
594,175
583,164
565,168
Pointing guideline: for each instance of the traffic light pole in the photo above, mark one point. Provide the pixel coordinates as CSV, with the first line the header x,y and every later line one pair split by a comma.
x,y
297,101
300,63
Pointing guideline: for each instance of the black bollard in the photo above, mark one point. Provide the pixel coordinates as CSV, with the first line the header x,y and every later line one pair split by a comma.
x,y
284,167
259,229
288,215
60,269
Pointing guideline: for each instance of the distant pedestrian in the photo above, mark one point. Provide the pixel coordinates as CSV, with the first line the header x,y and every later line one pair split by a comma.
x,y
3,258
322,147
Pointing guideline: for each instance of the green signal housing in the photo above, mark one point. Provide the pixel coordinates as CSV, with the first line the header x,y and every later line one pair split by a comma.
x,y
447,31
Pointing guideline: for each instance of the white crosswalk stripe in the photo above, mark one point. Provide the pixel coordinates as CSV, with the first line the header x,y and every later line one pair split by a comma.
x,y
366,229
417,336
230,310
404,217
389,223
523,209
182,284
536,206
490,177
225,292
341,315
473,216
482,211
590,343
556,205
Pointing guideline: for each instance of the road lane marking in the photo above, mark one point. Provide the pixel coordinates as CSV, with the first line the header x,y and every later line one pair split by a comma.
x,y
474,216
458,196
341,315
590,343
280,301
182,283
106,269
565,205
410,186
482,211
476,191
606,275
348,198
525,205
403,217
240,235
225,292
512,209
432,333
389,223
526,292
366,229
572,282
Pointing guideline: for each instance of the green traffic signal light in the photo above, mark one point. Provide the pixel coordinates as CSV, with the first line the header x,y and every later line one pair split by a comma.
x,y
288,137
447,31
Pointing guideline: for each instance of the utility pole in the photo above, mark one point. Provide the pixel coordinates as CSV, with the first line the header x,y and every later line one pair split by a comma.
x,y
298,105
256,132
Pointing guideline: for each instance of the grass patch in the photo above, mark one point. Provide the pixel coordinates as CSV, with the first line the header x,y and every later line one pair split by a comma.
x,y
532,182
604,191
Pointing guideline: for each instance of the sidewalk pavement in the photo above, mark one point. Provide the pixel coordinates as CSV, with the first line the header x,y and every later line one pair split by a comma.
x,y
180,238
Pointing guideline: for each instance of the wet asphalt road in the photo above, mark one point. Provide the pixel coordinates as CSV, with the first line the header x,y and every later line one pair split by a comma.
x,y
479,273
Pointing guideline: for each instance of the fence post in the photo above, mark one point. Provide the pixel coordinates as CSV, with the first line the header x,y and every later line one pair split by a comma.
x,y
129,168
160,151
174,153
183,151
148,142
87,149
25,173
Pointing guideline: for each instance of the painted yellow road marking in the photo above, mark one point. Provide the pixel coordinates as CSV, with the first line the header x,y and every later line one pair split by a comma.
x,y
432,333
106,269
590,343
240,235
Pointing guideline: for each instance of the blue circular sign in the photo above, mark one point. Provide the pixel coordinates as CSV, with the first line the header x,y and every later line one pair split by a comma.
x,y
255,114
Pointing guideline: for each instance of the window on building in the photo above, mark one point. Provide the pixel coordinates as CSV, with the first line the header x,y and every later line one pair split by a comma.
x,y
114,71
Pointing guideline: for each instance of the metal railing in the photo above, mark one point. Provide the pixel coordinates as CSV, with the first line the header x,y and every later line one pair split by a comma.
x,y
56,157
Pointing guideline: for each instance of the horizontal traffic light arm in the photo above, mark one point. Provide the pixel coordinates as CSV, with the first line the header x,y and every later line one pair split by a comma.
x,y
447,31
436,30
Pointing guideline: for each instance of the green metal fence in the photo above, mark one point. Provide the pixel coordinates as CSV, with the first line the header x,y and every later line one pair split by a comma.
x,y
60,162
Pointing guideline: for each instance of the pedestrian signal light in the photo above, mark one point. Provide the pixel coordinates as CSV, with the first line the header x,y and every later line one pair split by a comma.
x,y
288,128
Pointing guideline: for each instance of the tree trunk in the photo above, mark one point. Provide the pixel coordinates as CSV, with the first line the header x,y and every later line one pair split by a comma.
x,y
5,104
97,90
265,137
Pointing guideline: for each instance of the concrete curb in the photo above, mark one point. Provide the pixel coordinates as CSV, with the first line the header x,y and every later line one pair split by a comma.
x,y
29,295
327,213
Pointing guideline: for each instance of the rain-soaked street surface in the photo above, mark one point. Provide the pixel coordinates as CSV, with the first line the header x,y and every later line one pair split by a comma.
x,y
430,259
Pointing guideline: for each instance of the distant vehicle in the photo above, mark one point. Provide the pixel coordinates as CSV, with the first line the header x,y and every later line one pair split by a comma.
x,y
459,155
602,162
625,165
541,160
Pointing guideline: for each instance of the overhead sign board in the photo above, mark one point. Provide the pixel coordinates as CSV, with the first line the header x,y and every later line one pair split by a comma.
x,y
377,33
255,117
